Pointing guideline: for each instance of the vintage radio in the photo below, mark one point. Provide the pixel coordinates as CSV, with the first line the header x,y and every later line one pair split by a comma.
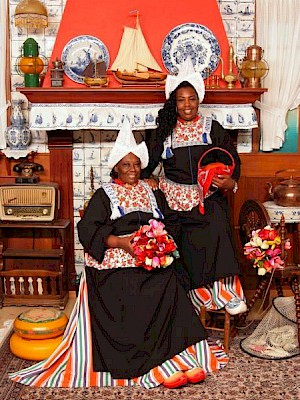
x,y
29,202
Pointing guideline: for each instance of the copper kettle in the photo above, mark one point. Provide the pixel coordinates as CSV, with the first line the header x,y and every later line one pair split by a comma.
x,y
287,192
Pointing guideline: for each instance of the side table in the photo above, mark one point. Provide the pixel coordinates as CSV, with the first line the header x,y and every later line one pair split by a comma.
x,y
34,276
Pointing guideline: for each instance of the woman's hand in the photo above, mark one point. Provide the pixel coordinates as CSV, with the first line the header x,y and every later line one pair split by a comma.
x,y
121,242
152,182
224,182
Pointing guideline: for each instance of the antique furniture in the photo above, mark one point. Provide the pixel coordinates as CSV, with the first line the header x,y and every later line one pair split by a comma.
x,y
36,275
254,215
218,321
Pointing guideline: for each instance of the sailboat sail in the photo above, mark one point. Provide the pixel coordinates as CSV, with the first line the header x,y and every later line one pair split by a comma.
x,y
134,53
143,54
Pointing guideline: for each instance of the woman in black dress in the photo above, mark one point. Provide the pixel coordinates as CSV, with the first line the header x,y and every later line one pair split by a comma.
x,y
130,326
206,239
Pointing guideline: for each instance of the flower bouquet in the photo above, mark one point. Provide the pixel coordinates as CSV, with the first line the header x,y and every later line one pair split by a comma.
x,y
264,250
153,246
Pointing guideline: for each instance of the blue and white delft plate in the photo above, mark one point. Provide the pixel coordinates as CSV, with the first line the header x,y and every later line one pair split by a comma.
x,y
79,52
192,40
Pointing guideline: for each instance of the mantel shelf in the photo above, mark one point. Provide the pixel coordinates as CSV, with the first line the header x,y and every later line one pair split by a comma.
x,y
136,95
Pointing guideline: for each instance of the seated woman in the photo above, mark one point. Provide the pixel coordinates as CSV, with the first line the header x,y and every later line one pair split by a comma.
x,y
130,326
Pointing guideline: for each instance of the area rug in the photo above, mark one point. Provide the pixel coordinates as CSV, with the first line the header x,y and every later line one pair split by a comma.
x,y
245,377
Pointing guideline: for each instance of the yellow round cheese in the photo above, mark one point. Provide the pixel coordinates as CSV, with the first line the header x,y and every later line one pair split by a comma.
x,y
40,323
33,349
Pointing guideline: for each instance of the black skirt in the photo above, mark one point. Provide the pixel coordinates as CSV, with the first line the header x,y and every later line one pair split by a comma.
x,y
206,243
139,319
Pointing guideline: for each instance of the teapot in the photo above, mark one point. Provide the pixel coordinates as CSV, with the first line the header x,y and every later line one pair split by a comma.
x,y
287,192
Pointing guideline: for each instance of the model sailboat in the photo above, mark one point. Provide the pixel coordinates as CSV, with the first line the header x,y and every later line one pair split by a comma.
x,y
134,63
95,73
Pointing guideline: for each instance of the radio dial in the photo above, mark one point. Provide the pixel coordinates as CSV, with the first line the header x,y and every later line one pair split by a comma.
x,y
45,211
9,211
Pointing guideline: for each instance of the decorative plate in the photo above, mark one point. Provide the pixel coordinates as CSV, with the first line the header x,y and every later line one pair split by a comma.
x,y
192,40
79,52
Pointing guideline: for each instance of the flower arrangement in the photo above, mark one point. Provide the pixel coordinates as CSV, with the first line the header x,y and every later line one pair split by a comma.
x,y
264,250
153,246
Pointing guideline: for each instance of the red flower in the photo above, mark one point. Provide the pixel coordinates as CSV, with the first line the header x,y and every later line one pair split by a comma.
x,y
153,247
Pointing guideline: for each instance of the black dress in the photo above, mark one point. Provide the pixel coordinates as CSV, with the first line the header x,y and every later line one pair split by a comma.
x,y
139,318
205,241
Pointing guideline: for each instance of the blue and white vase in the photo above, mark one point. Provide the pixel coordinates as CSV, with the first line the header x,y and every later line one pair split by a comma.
x,y
17,135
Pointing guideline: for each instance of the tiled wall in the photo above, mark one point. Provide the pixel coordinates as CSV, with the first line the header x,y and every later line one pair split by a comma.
x,y
91,147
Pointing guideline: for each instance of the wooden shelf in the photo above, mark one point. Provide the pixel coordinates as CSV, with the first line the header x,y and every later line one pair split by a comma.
x,y
136,95
33,253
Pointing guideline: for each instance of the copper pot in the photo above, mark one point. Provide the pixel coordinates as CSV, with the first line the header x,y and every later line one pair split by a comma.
x,y
287,192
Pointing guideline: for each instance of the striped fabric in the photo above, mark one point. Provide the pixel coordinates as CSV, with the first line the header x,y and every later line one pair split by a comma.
x,y
218,295
71,363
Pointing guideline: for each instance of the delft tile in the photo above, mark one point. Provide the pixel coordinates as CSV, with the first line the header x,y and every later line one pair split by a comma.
x,y
78,189
14,66
76,220
17,32
16,81
79,268
54,13
105,174
79,256
78,156
78,173
246,10
245,28
104,154
89,190
230,27
91,138
242,45
78,205
95,173
92,156
17,48
108,137
77,244
49,46
228,9
52,29
38,136
78,138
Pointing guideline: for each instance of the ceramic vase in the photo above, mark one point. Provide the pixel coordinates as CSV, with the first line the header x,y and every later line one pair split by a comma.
x,y
17,135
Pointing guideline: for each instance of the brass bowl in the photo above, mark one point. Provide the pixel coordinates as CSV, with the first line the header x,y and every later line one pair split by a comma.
x,y
103,81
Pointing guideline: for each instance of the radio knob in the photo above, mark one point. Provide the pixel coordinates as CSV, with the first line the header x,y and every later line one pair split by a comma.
x,y
9,211
45,211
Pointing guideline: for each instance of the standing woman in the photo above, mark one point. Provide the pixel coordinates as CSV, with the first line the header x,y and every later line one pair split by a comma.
x,y
205,242
129,326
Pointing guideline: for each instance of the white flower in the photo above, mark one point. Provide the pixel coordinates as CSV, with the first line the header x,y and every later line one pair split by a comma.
x,y
261,271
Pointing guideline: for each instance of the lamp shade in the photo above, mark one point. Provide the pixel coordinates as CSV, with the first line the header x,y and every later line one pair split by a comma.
x,y
31,14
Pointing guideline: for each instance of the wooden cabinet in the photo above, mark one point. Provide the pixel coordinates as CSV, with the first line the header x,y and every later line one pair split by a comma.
x,y
34,263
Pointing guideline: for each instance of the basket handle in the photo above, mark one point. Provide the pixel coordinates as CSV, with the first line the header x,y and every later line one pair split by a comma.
x,y
216,148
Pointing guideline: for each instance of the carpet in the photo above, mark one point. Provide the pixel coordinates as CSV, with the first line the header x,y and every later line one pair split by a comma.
x,y
245,377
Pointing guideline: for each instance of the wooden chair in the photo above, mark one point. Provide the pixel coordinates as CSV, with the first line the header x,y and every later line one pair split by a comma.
x,y
218,321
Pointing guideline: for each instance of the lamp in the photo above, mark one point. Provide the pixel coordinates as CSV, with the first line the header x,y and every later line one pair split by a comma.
x,y
30,64
31,14
254,68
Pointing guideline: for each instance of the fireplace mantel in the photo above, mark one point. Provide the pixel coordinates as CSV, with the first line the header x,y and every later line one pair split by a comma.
x,y
136,95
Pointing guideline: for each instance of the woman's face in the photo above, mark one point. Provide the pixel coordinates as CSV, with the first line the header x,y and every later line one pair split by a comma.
x,y
187,103
129,169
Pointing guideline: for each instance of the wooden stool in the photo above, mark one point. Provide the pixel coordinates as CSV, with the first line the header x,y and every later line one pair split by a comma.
x,y
209,319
